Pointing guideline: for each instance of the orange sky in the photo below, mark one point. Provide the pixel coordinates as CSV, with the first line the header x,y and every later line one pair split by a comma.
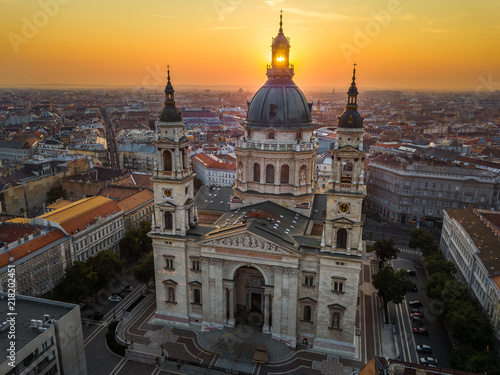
x,y
425,44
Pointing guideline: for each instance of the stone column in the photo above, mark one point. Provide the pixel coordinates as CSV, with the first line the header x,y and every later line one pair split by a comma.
x,y
334,239
278,281
205,287
292,307
267,305
219,302
231,320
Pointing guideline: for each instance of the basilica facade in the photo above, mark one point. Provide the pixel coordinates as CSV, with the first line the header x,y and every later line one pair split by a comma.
x,y
277,256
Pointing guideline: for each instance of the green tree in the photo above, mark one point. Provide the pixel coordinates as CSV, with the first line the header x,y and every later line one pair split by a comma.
x,y
435,284
145,270
468,325
436,263
103,264
77,284
423,240
55,193
136,242
385,250
392,285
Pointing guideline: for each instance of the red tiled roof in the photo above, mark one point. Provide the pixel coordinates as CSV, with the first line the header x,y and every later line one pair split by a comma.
x,y
136,200
12,232
30,247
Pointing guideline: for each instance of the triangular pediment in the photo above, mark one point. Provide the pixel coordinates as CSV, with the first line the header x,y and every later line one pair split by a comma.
x,y
343,220
247,242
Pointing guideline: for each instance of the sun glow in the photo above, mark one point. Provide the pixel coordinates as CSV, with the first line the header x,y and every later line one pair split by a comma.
x,y
280,59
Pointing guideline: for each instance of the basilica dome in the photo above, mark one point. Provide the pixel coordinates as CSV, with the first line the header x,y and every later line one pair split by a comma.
x,y
280,105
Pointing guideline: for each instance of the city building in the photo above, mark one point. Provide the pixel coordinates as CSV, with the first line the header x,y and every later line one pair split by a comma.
x,y
213,171
406,190
16,151
137,208
37,254
276,255
471,240
94,224
136,157
48,338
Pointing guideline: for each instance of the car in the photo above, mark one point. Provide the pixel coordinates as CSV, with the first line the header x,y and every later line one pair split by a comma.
x,y
128,288
114,298
420,331
424,348
428,361
415,303
411,272
416,317
415,289
416,311
260,355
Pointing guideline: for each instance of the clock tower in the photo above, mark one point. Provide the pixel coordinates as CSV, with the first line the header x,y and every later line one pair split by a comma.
x,y
342,232
173,175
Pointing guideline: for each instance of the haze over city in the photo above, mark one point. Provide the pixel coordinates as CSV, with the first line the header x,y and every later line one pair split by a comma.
x,y
425,45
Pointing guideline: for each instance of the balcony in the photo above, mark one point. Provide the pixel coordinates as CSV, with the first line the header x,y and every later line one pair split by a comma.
x,y
278,147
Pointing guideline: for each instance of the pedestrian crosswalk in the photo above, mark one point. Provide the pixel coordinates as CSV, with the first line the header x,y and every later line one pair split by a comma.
x,y
409,251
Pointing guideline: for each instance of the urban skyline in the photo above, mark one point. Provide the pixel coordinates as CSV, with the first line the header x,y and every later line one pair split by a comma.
x,y
399,44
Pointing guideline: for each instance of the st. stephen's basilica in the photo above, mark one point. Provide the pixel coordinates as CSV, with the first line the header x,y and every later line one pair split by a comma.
x,y
275,254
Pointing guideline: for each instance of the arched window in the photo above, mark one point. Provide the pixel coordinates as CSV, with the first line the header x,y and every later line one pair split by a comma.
x,y
167,161
169,222
197,296
307,313
270,135
269,174
285,174
342,238
171,294
347,168
256,172
298,135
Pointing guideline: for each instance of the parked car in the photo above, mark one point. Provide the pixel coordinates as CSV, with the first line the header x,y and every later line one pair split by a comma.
x,y
416,316
416,311
424,348
428,361
420,331
115,298
128,288
411,272
260,355
415,303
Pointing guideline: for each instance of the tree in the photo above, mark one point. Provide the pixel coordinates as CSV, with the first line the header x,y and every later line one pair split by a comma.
x,y
436,263
77,284
385,249
392,285
55,193
145,270
136,242
423,240
103,264
435,284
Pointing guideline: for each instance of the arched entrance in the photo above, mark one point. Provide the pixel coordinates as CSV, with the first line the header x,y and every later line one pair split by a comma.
x,y
249,296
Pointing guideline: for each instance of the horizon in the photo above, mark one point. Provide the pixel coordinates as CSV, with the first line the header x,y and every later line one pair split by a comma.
x,y
397,44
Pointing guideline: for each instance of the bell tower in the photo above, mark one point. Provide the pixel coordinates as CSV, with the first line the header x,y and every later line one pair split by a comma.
x,y
343,225
173,175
